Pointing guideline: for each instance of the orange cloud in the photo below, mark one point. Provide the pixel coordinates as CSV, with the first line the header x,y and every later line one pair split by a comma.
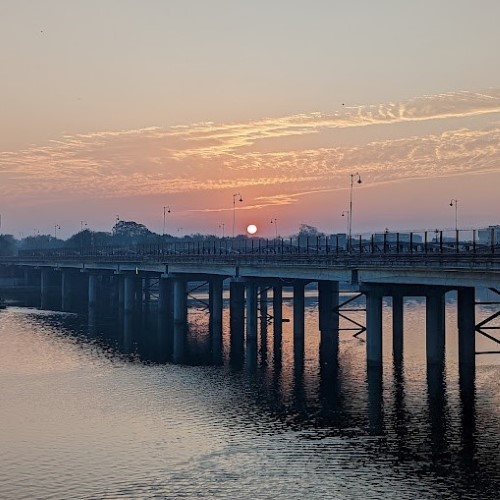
x,y
208,156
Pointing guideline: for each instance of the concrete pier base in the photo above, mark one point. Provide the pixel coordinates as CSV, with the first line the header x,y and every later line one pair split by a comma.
x,y
373,328
67,284
180,320
165,319
466,304
328,302
277,323
128,293
298,311
237,322
215,290
397,327
435,326
251,302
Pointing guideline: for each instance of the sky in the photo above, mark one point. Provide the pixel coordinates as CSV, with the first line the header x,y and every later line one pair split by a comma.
x,y
119,108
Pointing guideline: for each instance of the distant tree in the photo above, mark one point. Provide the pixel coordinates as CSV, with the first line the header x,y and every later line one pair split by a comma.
x,y
40,241
7,245
81,239
130,232
305,230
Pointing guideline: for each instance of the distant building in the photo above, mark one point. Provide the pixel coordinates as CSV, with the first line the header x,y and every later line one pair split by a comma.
x,y
484,236
339,239
393,237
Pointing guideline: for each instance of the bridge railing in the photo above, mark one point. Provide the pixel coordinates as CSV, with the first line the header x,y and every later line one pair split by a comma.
x,y
437,242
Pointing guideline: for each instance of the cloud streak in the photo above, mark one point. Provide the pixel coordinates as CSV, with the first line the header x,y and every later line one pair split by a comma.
x,y
207,157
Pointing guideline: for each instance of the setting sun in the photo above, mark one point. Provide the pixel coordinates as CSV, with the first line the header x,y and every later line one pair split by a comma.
x,y
251,229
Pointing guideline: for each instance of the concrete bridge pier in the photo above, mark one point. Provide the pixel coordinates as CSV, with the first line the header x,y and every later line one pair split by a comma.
x,y
216,303
277,320
67,290
92,290
373,326
129,282
298,311
237,321
120,285
435,325
180,319
165,319
397,326
251,303
328,301
263,300
92,286
146,293
46,288
466,305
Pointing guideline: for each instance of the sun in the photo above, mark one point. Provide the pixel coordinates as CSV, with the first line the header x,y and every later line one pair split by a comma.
x,y
251,229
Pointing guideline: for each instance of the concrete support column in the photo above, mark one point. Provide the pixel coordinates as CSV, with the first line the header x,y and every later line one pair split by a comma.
x,y
328,302
146,292
298,311
251,299
138,293
435,326
45,288
466,302
165,319
92,291
373,328
92,284
120,283
278,309
66,290
263,323
263,306
216,290
129,293
397,326
180,320
237,321
277,320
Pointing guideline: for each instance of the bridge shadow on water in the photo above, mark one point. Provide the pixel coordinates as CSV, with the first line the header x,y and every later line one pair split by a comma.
x,y
412,420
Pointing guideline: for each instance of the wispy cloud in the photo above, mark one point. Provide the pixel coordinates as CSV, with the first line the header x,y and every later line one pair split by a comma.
x,y
208,156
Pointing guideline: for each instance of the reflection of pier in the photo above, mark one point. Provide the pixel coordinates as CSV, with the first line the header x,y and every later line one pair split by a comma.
x,y
126,286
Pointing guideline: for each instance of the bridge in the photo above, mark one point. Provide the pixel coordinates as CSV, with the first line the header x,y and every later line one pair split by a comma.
x,y
124,279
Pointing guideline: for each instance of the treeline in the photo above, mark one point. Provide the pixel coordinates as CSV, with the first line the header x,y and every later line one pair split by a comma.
x,y
124,233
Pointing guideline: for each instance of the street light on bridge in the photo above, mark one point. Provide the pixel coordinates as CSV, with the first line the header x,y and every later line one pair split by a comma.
x,y
345,213
166,210
235,195
350,205
454,203
274,221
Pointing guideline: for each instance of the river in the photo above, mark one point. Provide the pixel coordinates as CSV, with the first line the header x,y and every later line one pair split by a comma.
x,y
80,418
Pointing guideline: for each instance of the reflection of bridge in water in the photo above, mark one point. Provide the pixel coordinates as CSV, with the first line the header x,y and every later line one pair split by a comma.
x,y
134,279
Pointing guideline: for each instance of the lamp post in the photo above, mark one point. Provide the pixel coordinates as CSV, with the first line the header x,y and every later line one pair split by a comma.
x,y
274,221
345,213
234,208
350,205
56,227
221,226
454,203
166,210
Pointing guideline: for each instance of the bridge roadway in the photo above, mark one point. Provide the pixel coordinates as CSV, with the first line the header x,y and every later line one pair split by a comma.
x,y
451,270
250,276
